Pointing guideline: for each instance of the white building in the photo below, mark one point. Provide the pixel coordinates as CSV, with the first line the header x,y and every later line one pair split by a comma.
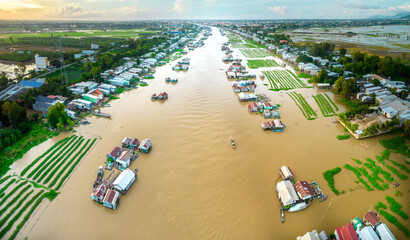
x,y
125,180
286,192
41,62
94,46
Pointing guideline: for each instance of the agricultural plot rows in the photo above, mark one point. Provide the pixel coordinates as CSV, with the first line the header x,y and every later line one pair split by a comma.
x,y
262,63
326,105
234,38
21,195
303,105
244,45
254,52
283,80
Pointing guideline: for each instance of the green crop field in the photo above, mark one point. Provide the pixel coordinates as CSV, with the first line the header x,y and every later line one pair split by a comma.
x,y
234,38
262,63
244,45
326,105
91,33
283,80
255,53
50,170
303,105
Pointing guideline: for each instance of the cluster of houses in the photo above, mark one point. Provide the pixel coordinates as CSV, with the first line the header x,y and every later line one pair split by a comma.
x,y
389,105
243,86
370,228
161,96
238,71
296,196
43,103
182,65
109,193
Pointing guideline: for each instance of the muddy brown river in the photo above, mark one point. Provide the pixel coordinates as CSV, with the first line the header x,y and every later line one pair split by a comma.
x,y
193,185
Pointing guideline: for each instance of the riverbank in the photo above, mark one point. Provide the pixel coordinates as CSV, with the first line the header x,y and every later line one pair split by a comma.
x,y
193,185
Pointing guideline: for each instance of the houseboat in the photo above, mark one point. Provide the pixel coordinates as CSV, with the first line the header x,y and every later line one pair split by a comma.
x,y
154,96
174,80
101,114
111,199
278,126
162,96
168,79
145,146
125,180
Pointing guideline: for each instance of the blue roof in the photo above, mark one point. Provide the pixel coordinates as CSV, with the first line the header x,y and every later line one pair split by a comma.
x,y
30,83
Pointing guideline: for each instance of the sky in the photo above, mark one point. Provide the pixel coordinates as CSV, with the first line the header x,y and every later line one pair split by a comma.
x,y
124,10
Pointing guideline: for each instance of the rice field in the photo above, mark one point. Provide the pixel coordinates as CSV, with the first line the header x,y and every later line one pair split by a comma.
x,y
254,52
20,195
244,45
234,38
262,63
326,105
303,105
283,80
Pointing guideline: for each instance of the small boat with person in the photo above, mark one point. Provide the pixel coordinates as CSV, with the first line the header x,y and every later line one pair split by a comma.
x,y
233,143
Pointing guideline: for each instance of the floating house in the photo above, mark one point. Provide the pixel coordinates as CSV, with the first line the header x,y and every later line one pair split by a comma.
x,y
124,159
286,172
134,143
304,191
243,97
286,193
266,126
162,96
145,146
267,114
124,180
275,114
278,126
371,218
252,107
346,232
99,193
111,199
367,233
384,232
126,141
113,155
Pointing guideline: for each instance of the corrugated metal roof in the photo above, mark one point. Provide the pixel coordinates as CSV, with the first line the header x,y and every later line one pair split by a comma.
x,y
286,192
30,83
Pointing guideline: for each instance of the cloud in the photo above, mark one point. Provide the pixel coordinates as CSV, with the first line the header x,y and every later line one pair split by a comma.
x,y
18,4
403,8
179,5
278,9
356,5
73,11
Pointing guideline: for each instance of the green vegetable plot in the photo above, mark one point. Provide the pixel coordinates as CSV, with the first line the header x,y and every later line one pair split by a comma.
x,y
262,63
283,80
303,105
255,52
326,105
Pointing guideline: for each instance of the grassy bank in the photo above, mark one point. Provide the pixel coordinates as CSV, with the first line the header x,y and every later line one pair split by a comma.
x,y
37,135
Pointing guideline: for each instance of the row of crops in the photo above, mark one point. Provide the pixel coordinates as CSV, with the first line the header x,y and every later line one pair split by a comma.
x,y
326,105
380,174
303,105
234,38
21,194
262,63
244,45
254,52
283,80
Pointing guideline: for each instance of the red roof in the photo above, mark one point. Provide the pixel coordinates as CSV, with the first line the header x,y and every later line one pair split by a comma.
x,y
115,152
346,232
109,197
252,105
100,191
135,142
52,96
372,218
303,188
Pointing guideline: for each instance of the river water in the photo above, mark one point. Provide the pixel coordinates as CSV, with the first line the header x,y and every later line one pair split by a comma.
x,y
193,185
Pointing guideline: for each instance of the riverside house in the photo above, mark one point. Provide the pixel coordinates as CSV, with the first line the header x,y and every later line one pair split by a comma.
x,y
124,159
145,146
252,107
125,180
134,143
113,155
99,193
111,199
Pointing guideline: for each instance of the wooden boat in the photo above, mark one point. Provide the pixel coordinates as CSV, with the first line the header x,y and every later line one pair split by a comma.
x,y
233,143
282,214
